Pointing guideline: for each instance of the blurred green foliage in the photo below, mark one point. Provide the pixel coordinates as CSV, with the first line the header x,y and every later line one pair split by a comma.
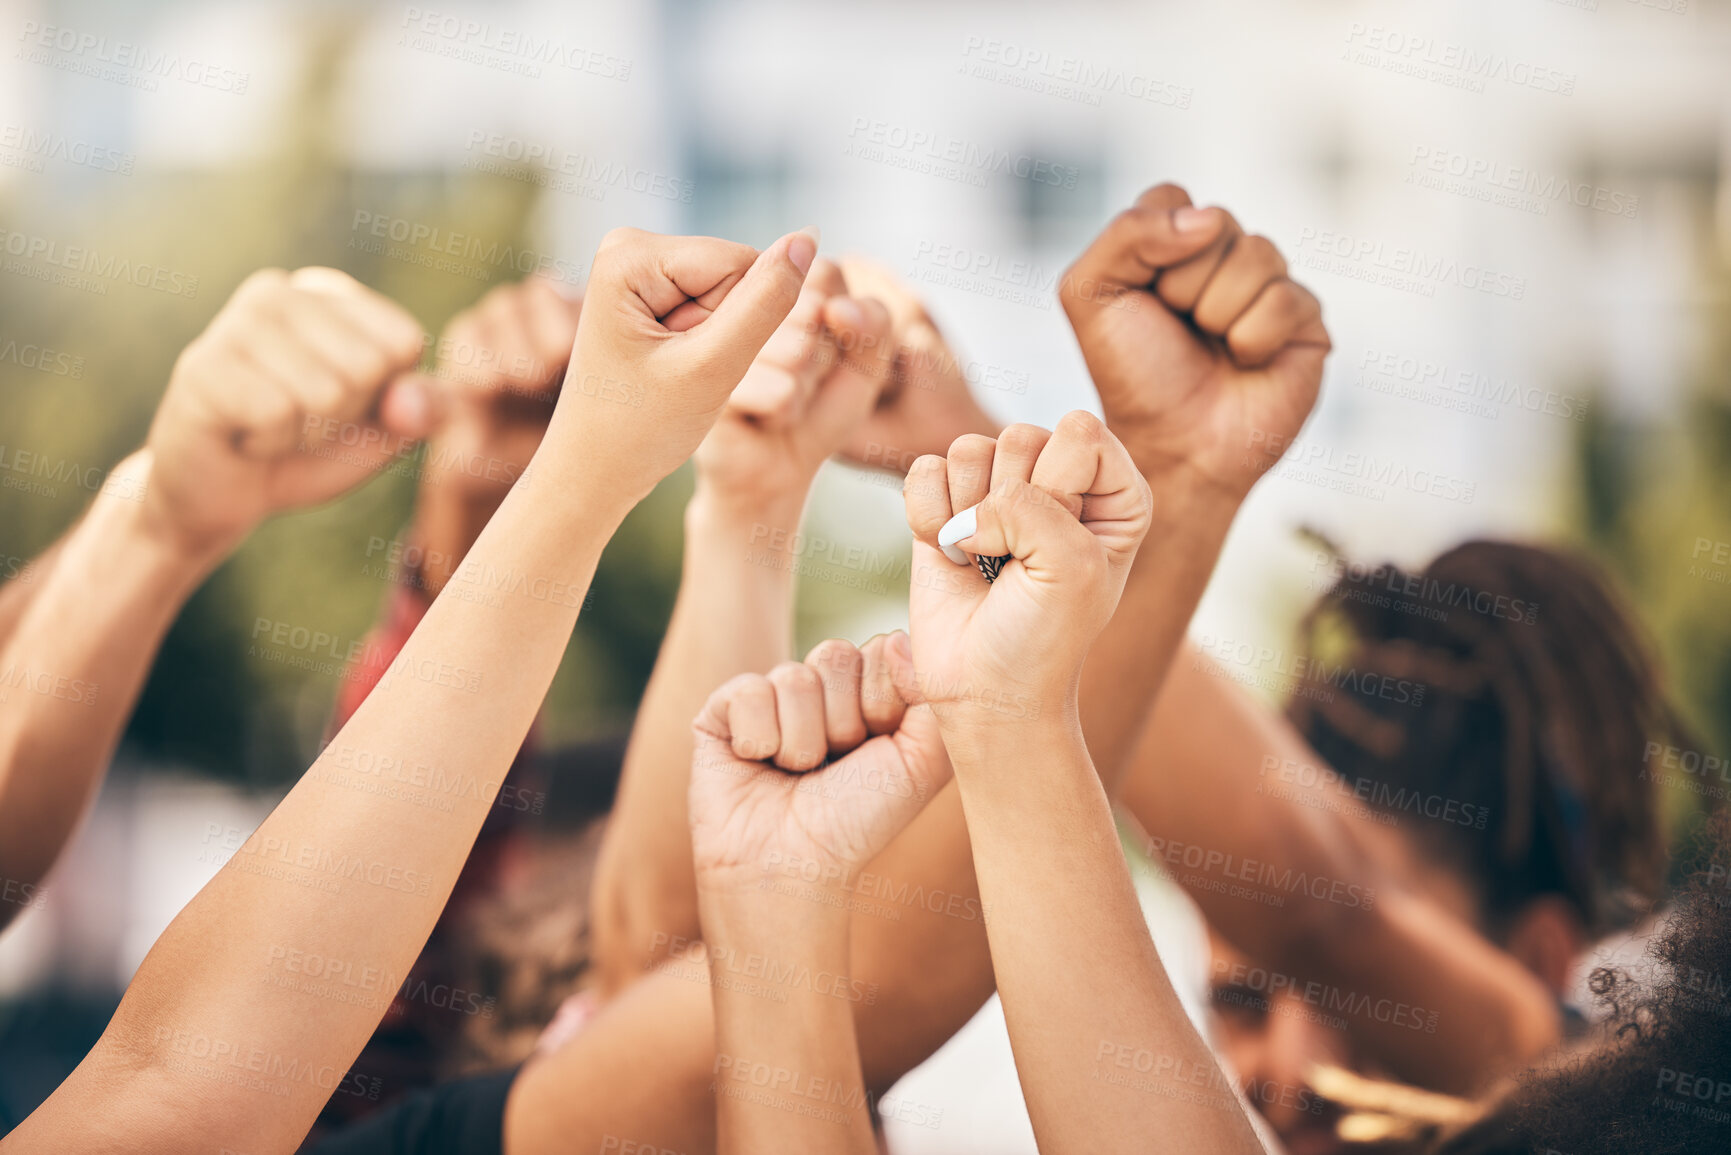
x,y
209,706
1650,501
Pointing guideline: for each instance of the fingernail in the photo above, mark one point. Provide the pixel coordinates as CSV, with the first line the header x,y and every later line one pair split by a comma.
x,y
802,249
958,528
1190,219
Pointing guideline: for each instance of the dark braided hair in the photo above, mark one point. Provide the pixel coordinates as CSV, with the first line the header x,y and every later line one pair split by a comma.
x,y
1532,697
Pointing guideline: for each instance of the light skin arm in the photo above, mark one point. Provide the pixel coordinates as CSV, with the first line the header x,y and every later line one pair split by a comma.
x,y
816,380
22,587
229,1034
1078,974
90,622
761,794
931,967
76,664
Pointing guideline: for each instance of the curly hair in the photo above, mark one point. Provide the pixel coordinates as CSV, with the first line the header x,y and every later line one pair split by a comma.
x,y
1535,699
1657,1078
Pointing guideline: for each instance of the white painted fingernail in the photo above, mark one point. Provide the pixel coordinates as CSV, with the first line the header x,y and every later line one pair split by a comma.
x,y
958,528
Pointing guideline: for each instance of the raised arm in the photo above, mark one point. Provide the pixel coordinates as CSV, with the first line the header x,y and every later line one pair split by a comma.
x,y
804,395
1207,360
262,991
788,768
1081,983
288,358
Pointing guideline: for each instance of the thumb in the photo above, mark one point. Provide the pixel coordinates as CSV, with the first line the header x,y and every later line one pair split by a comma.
x,y
411,407
748,316
1022,521
1162,229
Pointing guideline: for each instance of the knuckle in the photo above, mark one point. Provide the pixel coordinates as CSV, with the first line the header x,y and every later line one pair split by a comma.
x,y
1022,437
1080,426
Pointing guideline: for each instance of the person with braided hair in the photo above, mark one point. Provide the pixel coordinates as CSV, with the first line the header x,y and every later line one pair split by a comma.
x,y
1454,805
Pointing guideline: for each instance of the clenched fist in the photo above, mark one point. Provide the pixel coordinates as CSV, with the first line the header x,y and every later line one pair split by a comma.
x,y
1069,509
296,392
821,762
669,327
926,404
806,394
502,360
1204,351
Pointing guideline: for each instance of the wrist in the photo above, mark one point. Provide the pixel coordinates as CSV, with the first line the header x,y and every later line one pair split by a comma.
x,y
722,508
722,517
792,913
979,740
1178,483
162,547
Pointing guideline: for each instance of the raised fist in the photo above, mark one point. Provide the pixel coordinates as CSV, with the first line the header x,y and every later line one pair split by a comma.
x,y
1068,509
926,404
804,397
501,360
1204,351
299,389
821,762
669,327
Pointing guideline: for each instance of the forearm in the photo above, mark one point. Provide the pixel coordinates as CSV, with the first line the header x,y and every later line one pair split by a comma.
x,y
1128,663
342,872
73,669
465,475
1103,1046
787,1068
1221,780
733,615
24,580
1217,772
